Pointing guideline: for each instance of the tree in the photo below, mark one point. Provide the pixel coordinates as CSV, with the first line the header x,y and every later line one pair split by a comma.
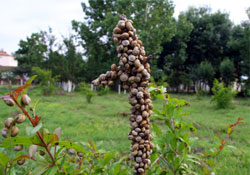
x,y
73,63
206,73
42,50
173,57
227,71
31,53
152,18
240,52
209,37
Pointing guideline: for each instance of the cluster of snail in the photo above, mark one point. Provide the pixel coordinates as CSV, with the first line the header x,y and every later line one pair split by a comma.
x,y
134,73
10,123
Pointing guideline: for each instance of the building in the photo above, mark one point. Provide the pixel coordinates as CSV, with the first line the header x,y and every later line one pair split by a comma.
x,y
7,64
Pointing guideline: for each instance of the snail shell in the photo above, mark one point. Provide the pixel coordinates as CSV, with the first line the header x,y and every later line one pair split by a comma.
x,y
21,118
8,122
133,43
14,131
124,36
113,67
138,118
125,42
136,51
117,30
131,57
129,25
138,159
121,24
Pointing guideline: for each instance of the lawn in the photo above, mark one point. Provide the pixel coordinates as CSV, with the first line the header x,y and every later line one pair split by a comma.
x,y
105,121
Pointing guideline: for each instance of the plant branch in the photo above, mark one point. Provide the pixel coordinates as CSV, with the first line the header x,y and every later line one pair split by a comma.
x,y
34,125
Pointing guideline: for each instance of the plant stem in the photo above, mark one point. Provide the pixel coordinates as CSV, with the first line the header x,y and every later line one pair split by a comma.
x,y
34,125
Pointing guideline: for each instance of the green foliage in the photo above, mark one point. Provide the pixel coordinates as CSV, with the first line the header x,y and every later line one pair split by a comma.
x,y
103,90
89,93
172,141
227,71
152,19
173,57
47,82
223,96
206,72
42,50
31,53
51,155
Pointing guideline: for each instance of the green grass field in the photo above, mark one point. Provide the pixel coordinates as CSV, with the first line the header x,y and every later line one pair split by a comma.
x,y
105,122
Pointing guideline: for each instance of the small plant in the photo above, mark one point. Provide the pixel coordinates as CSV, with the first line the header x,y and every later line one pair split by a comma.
x,y
89,93
223,96
172,153
172,137
47,82
51,155
103,91
207,160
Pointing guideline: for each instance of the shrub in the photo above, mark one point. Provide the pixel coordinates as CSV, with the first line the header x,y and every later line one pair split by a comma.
x,y
223,96
47,82
103,91
46,150
89,93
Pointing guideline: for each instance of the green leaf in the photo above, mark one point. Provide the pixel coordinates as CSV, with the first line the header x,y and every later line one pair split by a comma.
x,y
13,141
12,171
58,132
67,144
40,169
107,158
156,128
29,81
49,138
35,105
4,159
32,150
37,128
62,162
165,163
152,88
116,169
31,131
53,170
19,158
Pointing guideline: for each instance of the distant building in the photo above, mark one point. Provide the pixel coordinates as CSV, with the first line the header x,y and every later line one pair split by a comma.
x,y
7,61
7,64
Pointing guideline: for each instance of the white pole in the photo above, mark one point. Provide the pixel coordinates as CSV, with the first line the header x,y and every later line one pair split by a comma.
x,y
119,89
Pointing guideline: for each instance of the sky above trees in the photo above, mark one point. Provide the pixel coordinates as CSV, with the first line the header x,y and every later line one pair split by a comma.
x,y
21,18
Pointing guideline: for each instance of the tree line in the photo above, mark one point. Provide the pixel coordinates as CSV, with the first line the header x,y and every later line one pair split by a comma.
x,y
198,47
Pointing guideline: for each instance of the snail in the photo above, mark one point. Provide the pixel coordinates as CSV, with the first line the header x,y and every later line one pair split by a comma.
x,y
133,72
20,118
25,99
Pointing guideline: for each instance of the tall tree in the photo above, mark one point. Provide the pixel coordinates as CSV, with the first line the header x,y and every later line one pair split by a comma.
x,y
173,57
227,71
209,37
152,19
31,52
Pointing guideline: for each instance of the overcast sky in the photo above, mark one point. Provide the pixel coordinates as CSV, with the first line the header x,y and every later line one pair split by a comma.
x,y
20,18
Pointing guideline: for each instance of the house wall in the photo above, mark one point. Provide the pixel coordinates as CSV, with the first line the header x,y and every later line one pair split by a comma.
x,y
8,61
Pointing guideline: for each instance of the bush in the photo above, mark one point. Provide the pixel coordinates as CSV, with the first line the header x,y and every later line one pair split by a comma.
x,y
103,91
89,93
47,82
223,96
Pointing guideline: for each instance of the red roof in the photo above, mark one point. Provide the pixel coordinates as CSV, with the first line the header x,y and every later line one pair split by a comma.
x,y
2,53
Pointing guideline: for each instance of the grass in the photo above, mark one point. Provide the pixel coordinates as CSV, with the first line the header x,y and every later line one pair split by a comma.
x,y
105,122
